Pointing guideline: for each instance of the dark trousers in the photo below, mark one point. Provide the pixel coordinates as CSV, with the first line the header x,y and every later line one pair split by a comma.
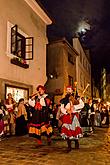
x,y
92,121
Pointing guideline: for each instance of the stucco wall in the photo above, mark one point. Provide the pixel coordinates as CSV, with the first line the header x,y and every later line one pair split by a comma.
x,y
55,58
18,12
55,66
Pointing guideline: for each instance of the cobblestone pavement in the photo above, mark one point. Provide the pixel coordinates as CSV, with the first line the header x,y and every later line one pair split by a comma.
x,y
94,150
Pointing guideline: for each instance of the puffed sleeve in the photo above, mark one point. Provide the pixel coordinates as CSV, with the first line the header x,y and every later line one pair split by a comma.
x,y
32,102
63,110
80,105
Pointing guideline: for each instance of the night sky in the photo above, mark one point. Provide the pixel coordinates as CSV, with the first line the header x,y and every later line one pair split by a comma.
x,y
67,14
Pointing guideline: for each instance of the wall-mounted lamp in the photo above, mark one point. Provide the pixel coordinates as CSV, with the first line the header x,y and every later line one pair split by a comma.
x,y
53,74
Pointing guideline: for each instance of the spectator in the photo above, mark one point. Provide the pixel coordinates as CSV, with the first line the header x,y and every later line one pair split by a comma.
x,y
1,124
10,105
21,119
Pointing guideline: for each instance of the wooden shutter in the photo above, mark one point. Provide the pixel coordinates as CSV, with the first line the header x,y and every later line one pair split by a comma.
x,y
29,48
14,39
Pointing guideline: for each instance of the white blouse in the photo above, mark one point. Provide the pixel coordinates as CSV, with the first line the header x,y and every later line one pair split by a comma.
x,y
42,100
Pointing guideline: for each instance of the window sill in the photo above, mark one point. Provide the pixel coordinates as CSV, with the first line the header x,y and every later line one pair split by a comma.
x,y
15,61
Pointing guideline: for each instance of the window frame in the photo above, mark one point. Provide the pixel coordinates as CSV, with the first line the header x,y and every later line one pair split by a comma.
x,y
13,86
9,41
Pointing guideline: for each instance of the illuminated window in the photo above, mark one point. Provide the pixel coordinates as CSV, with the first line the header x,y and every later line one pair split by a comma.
x,y
17,92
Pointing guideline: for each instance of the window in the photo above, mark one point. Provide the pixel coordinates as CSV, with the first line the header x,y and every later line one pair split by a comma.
x,y
21,46
17,92
71,58
70,79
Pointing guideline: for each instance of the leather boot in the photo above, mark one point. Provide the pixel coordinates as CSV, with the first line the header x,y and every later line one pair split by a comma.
x,y
69,145
76,144
49,141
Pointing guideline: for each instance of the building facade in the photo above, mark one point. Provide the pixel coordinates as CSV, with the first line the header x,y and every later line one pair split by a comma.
x,y
22,46
83,70
61,67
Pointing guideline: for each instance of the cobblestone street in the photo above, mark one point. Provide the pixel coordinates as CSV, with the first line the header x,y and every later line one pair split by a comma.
x,y
94,150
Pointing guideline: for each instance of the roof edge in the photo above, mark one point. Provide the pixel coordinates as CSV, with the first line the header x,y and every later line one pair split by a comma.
x,y
63,40
39,11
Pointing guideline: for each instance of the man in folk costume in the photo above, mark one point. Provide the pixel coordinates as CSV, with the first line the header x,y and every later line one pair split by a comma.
x,y
40,123
91,114
71,129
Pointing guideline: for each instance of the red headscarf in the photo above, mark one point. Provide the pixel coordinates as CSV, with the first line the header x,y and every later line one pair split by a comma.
x,y
40,86
69,87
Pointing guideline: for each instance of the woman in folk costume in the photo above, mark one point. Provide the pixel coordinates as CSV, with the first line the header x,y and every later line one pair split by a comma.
x,y
10,106
40,123
21,119
70,124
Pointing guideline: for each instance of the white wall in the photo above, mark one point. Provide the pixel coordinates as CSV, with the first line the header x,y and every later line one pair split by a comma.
x,y
18,12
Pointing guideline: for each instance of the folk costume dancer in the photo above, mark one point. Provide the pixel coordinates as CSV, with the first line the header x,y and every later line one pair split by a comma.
x,y
70,124
40,123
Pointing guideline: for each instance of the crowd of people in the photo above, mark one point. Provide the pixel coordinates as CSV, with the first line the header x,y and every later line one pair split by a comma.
x,y
13,117
73,117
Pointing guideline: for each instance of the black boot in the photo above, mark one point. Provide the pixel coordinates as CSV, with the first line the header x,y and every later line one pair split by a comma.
x,y
49,141
69,145
76,144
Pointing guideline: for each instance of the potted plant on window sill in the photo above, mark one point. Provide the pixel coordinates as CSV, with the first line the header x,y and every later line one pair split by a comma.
x,y
19,62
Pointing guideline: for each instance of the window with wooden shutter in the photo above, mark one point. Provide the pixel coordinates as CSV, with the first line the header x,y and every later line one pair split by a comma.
x,y
14,39
21,46
28,48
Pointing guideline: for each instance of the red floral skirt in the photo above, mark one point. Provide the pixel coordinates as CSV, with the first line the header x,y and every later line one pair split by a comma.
x,y
71,127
